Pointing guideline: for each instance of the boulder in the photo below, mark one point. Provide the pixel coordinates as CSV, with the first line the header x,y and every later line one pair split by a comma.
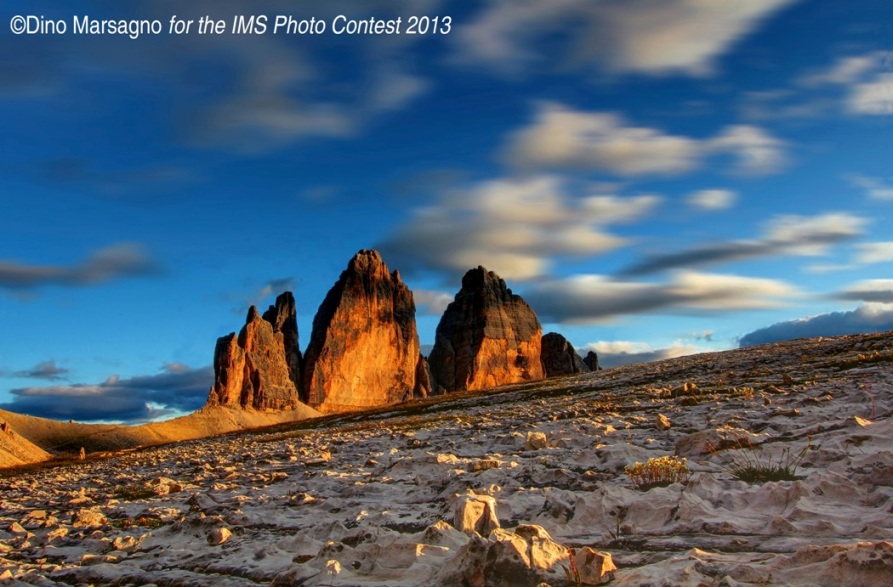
x,y
591,361
526,557
559,357
487,337
258,368
474,513
364,348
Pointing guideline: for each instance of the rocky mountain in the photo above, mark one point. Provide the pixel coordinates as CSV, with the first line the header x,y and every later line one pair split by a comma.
x,y
260,367
487,337
559,356
364,348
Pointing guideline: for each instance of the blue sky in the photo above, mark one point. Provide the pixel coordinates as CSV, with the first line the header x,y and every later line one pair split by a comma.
x,y
656,177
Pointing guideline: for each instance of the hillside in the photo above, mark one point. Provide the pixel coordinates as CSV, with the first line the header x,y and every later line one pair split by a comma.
x,y
66,438
490,488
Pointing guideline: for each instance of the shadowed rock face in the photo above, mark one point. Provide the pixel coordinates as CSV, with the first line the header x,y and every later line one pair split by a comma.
x,y
283,317
559,357
364,348
487,337
260,367
591,361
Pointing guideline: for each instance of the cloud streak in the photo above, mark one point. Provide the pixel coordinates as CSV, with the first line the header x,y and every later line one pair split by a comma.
x,y
115,262
590,299
45,370
783,235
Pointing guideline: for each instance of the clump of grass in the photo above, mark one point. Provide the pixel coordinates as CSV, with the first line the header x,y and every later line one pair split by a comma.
x,y
133,492
658,472
744,462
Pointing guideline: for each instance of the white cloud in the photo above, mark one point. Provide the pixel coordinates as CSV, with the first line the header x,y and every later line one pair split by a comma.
x,y
757,151
643,36
866,79
561,137
620,352
874,97
880,252
432,302
589,299
846,70
515,227
712,199
875,188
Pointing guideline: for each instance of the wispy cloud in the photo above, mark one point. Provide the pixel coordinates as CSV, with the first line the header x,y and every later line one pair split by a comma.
x,y
115,262
876,188
869,290
712,200
564,138
879,252
176,388
516,227
591,299
619,36
783,235
866,79
432,302
45,370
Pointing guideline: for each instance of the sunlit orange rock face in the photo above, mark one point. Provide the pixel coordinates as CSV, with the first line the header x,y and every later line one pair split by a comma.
x,y
260,368
488,336
364,348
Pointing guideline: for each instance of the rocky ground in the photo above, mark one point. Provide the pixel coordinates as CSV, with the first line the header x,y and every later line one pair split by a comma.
x,y
492,488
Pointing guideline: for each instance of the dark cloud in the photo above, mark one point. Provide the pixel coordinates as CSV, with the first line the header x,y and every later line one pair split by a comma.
x,y
45,370
177,388
865,318
785,235
871,290
122,260
590,298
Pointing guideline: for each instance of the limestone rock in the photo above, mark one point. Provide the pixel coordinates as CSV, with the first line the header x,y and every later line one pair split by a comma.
x,y
283,317
559,357
487,337
423,378
364,348
526,557
595,568
475,513
259,368
219,536
536,440
591,361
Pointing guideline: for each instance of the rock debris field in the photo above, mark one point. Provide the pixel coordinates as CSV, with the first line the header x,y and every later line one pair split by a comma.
x,y
522,485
